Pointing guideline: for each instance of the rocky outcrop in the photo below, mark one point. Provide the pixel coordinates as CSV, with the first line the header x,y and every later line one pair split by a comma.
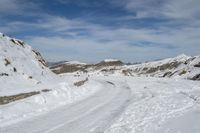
x,y
66,67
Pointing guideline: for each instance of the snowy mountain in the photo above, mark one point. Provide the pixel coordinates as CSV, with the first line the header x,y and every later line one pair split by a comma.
x,y
67,66
52,64
19,63
75,66
182,66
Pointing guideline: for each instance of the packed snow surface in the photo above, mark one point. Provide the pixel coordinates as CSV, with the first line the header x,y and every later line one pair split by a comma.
x,y
116,104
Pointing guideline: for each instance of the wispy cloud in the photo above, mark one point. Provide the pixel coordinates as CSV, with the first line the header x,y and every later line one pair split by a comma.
x,y
61,37
16,7
176,9
101,42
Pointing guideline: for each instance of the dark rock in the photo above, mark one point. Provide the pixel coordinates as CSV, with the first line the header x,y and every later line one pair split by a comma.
x,y
12,98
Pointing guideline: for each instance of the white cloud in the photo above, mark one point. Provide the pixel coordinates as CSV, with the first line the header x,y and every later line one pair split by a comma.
x,y
8,6
92,42
18,7
184,9
174,9
92,47
92,51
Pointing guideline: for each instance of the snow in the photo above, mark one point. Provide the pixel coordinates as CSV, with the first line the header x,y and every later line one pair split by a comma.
x,y
110,60
91,114
154,102
115,104
185,69
29,70
61,94
186,123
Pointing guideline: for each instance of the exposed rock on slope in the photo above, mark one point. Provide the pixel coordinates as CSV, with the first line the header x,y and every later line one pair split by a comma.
x,y
109,62
20,64
68,67
182,66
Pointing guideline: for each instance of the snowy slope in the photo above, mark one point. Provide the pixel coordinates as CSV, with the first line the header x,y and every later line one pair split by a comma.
x,y
22,71
182,66
21,67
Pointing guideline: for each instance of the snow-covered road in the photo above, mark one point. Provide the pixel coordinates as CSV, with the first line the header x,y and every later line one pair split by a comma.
x,y
115,105
92,114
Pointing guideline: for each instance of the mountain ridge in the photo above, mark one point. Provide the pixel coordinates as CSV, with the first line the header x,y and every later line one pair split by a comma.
x,y
181,66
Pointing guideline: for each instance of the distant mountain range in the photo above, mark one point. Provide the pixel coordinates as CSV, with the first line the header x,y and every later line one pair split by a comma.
x,y
182,66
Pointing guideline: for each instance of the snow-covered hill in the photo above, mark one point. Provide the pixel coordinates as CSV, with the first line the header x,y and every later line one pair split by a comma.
x,y
182,66
19,63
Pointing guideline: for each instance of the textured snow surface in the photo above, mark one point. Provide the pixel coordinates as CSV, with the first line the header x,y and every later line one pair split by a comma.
x,y
112,104
157,101
62,93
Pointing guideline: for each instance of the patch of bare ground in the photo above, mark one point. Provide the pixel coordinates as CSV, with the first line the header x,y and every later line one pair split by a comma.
x,y
196,77
80,83
12,98
110,82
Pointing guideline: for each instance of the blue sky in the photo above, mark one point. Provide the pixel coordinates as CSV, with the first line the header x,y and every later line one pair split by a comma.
x,y
92,30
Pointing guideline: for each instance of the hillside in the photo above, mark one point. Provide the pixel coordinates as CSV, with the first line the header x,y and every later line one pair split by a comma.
x,y
19,63
182,66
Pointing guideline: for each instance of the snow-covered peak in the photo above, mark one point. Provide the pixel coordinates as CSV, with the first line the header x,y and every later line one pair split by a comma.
x,y
75,63
110,60
182,57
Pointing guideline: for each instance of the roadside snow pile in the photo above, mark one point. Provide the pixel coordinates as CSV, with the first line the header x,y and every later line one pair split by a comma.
x,y
21,67
28,87
62,94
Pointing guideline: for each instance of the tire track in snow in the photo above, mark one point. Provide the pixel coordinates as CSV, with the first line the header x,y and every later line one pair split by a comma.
x,y
93,114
